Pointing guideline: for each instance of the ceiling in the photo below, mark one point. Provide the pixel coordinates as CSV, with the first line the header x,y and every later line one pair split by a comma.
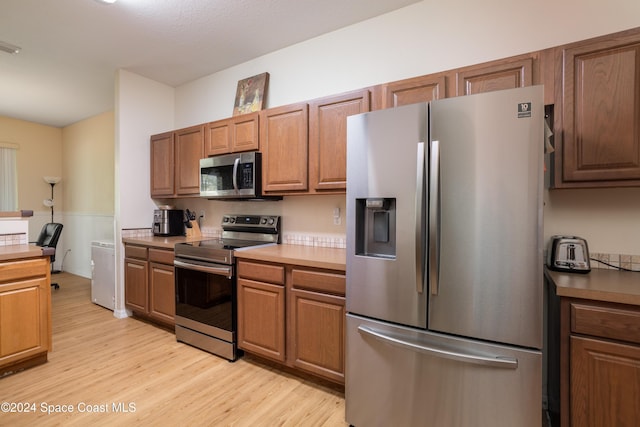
x,y
72,48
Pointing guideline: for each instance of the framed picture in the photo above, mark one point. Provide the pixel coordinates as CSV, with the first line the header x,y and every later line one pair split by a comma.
x,y
251,94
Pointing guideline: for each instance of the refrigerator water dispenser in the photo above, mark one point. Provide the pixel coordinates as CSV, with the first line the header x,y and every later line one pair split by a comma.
x,y
376,227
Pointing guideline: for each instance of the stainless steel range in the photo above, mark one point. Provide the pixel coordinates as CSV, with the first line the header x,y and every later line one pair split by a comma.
x,y
206,301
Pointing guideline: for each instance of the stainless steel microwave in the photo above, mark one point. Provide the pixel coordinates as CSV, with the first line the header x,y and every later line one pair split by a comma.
x,y
231,176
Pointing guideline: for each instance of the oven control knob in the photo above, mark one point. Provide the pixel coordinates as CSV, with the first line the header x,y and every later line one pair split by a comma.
x,y
271,221
263,221
225,219
232,220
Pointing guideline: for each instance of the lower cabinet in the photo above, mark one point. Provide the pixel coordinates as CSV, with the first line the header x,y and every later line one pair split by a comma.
x,y
294,315
602,348
25,316
149,287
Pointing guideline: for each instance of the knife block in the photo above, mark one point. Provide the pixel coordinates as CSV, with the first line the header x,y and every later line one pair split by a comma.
x,y
194,231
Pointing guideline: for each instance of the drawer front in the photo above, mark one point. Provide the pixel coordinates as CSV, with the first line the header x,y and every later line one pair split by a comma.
x,y
321,281
18,270
135,252
606,322
272,273
160,255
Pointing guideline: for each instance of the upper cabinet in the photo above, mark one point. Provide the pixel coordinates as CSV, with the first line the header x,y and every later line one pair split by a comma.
x,y
328,139
597,132
414,90
162,165
175,162
498,75
239,133
284,147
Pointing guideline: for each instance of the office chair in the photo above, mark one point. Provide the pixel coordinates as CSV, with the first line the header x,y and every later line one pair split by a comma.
x,y
48,238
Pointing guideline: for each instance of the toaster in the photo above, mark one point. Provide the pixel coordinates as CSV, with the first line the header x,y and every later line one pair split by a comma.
x,y
568,253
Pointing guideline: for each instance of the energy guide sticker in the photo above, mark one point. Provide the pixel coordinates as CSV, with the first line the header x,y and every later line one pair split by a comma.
x,y
524,110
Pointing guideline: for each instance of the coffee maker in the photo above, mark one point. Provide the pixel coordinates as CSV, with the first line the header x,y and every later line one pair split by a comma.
x,y
168,222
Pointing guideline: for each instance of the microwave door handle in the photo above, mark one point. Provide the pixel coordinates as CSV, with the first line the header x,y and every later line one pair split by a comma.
x,y
236,162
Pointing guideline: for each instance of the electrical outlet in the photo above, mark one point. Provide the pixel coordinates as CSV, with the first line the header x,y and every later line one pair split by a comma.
x,y
202,214
337,220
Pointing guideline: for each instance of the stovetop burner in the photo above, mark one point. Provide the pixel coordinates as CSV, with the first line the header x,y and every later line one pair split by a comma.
x,y
238,231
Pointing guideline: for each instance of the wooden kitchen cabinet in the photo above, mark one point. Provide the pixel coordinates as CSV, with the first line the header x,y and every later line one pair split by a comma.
x,y
162,291
413,90
601,348
136,278
284,143
25,315
189,150
317,322
294,315
162,165
232,135
509,73
261,309
328,139
175,162
598,106
149,283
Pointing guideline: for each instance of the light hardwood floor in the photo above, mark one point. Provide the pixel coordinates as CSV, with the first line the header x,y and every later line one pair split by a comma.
x,y
103,363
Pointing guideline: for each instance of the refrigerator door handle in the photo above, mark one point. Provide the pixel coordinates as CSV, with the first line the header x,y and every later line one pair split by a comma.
x,y
434,216
489,361
419,221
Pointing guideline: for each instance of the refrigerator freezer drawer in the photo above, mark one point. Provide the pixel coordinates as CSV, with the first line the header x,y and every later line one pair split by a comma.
x,y
402,376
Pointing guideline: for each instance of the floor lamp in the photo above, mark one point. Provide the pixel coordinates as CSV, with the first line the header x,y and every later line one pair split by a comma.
x,y
52,181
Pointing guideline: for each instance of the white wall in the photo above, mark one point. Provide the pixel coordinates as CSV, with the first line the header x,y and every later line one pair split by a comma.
x,y
143,107
434,36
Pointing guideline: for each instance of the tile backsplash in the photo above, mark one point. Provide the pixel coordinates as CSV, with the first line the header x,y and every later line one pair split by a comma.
x,y
13,239
629,262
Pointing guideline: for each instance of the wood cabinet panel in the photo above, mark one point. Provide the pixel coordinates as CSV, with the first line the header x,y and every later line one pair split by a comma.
x,y
22,328
162,165
261,318
245,132
136,284
162,299
132,251
18,270
319,281
328,139
606,322
600,111
271,273
284,147
605,383
317,323
501,75
217,139
162,256
239,133
410,91
25,313
189,145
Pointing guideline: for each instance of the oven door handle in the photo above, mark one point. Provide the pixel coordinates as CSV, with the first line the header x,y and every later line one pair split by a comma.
x,y
221,271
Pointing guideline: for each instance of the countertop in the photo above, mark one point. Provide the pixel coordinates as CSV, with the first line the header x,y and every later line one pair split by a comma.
x,y
307,256
12,252
161,242
599,284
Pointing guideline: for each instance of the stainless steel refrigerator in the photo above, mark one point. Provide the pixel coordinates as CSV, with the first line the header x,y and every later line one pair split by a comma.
x,y
445,262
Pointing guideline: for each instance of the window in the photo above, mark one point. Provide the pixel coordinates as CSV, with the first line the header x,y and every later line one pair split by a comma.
x,y
8,178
